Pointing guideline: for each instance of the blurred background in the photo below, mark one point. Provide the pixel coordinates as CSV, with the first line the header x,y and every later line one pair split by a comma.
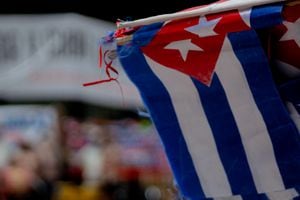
x,y
58,139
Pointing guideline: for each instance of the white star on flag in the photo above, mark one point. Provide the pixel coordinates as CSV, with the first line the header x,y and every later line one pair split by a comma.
x,y
293,32
183,46
204,28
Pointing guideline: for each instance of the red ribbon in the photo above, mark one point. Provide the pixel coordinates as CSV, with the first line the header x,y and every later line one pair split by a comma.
x,y
108,69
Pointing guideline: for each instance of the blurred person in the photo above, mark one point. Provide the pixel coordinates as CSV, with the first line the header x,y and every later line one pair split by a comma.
x,y
49,158
20,176
134,188
17,181
111,157
126,188
111,183
120,182
74,170
91,154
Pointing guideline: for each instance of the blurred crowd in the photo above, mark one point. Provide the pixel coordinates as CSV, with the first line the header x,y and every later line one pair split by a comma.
x,y
30,171
94,159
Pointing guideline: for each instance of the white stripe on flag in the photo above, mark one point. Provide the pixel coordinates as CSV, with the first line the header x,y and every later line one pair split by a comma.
x,y
236,197
288,194
195,129
283,195
256,140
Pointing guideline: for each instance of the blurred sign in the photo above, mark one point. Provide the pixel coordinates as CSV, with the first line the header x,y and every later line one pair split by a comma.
x,y
49,57
31,123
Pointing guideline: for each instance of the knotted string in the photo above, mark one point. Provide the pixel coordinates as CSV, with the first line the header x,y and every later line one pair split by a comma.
x,y
111,55
108,69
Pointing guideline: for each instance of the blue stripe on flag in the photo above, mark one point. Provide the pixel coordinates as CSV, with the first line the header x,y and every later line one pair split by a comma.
x,y
255,197
145,34
227,136
266,16
282,130
164,117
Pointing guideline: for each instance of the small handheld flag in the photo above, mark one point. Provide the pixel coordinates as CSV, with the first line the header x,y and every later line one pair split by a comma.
x,y
206,81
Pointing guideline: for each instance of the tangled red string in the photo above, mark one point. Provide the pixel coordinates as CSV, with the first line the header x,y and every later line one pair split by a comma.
x,y
108,70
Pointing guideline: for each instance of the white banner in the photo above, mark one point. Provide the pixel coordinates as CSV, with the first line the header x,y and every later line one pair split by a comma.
x,y
49,57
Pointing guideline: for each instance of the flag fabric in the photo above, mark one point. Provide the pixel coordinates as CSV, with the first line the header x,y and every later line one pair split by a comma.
x,y
285,54
207,84
289,194
285,43
290,92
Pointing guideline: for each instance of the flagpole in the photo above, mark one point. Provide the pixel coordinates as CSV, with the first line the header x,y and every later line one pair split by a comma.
x,y
210,9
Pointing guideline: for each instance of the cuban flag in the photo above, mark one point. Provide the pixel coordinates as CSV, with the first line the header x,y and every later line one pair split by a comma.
x,y
207,84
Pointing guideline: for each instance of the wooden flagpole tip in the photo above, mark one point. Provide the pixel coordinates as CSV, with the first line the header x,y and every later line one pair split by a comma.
x,y
123,40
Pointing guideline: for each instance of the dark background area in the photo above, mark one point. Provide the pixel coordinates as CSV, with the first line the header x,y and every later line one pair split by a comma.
x,y
106,9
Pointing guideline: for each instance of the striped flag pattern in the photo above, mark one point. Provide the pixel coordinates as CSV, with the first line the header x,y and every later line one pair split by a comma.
x,y
207,85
